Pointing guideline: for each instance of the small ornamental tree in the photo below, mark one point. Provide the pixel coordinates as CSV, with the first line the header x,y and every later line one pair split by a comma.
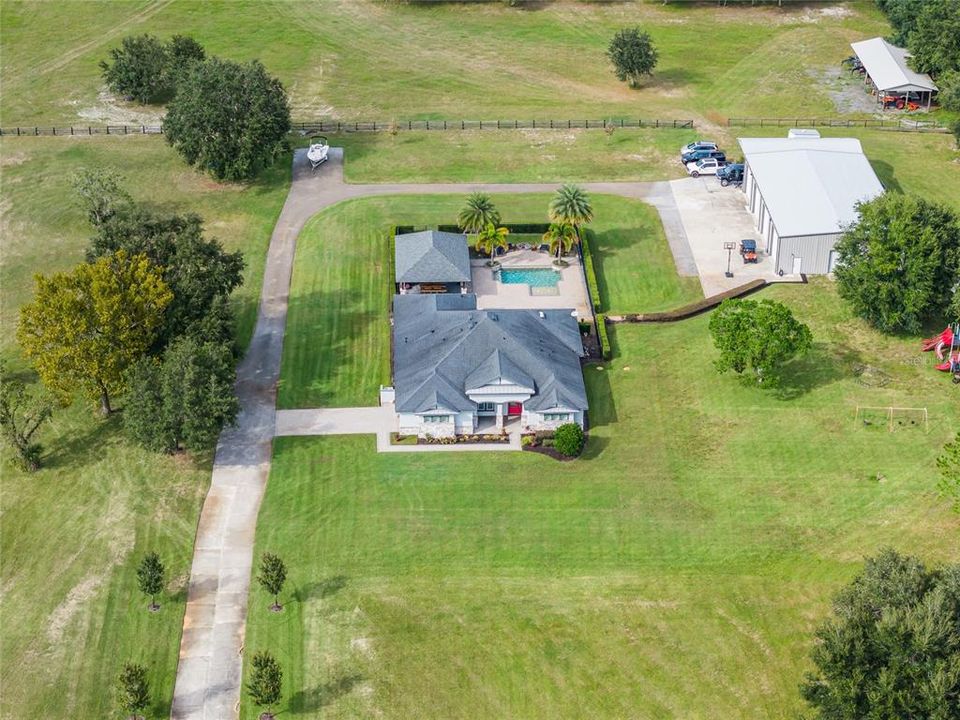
x,y
491,238
22,413
478,213
761,336
891,649
266,683
101,194
183,401
561,237
150,578
633,55
949,466
133,690
228,119
87,326
568,439
898,264
273,574
137,69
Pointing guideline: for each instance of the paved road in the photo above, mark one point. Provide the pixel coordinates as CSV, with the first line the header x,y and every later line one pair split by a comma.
x,y
211,650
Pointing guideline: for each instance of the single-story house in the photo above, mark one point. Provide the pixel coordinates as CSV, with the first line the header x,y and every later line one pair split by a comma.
x,y
460,370
887,69
803,192
431,262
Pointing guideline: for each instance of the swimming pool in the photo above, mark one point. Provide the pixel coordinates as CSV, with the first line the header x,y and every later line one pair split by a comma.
x,y
534,277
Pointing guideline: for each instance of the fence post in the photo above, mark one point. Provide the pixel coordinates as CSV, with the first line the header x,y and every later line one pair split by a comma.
x,y
534,123
463,125
568,124
36,130
658,123
18,131
551,124
54,130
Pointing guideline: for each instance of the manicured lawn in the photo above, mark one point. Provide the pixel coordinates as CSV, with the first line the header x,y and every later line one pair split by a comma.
x,y
73,533
676,570
373,60
337,348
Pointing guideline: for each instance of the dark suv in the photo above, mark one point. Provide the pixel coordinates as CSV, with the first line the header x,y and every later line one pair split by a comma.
x,y
732,173
701,154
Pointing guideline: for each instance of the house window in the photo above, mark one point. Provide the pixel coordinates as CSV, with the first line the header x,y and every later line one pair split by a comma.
x,y
436,418
486,407
556,417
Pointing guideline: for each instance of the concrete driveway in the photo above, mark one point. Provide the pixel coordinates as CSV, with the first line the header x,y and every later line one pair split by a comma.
x,y
337,421
712,215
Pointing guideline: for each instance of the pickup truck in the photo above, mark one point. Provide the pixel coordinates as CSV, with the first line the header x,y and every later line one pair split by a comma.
x,y
706,166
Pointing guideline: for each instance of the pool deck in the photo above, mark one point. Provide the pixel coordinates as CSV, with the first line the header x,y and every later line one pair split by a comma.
x,y
571,289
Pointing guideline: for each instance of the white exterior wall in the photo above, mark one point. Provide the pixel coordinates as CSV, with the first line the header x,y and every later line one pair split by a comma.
x,y
535,420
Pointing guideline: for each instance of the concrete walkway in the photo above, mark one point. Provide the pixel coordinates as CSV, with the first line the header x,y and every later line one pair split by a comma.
x,y
208,679
380,421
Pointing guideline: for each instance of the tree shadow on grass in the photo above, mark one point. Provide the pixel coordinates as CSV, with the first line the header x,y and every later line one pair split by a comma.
x,y
308,701
886,173
321,589
822,365
84,445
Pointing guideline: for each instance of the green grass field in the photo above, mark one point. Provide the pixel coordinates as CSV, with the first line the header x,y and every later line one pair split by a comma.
x,y
45,231
676,570
384,60
337,349
74,532
912,162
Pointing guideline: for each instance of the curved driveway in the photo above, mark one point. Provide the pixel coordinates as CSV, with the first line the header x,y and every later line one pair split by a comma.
x,y
208,679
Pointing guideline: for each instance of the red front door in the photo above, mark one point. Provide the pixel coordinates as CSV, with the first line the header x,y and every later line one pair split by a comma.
x,y
514,409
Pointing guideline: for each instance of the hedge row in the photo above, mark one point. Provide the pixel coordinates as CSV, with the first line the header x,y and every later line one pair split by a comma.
x,y
516,228
589,271
606,351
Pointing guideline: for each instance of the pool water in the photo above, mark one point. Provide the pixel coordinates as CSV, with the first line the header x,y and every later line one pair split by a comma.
x,y
534,277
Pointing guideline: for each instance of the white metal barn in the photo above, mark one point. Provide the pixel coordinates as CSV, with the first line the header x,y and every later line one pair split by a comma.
x,y
802,192
887,69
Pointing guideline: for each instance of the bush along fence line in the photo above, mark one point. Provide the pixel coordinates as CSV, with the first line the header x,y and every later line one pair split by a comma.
x,y
903,124
332,126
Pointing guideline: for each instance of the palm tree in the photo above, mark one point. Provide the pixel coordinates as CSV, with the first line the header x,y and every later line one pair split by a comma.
x,y
561,237
490,238
572,206
478,213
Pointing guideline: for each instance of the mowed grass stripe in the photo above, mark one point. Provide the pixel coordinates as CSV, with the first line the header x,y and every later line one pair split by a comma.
x,y
677,569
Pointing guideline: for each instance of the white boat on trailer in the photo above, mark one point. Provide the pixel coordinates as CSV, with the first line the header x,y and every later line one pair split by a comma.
x,y
318,151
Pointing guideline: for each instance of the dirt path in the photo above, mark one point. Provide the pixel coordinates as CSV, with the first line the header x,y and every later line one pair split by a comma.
x,y
208,682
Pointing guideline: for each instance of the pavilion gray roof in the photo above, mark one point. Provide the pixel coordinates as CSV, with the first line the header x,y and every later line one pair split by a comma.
x,y
431,256
439,354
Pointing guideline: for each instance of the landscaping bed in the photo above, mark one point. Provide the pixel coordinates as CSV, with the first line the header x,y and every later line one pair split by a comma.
x,y
542,442
476,439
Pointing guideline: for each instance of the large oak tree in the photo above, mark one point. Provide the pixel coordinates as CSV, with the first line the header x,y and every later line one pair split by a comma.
x,y
85,327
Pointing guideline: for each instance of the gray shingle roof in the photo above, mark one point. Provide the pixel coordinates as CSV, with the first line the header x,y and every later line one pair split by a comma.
x,y
431,256
440,353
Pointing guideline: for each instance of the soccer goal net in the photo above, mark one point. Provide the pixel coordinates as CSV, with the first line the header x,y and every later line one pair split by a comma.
x,y
892,418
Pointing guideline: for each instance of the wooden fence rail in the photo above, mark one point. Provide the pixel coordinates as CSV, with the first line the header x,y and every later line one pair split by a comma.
x,y
320,126
904,124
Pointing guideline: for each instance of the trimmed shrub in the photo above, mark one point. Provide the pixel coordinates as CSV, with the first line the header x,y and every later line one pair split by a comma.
x,y
606,351
589,271
568,439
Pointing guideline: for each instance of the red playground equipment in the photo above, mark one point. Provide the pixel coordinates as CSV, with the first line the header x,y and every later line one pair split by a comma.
x,y
947,347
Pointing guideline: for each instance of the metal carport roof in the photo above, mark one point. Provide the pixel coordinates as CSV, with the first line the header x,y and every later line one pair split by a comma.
x,y
886,65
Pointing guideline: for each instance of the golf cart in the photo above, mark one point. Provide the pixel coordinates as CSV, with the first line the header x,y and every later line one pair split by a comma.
x,y
748,251
317,152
